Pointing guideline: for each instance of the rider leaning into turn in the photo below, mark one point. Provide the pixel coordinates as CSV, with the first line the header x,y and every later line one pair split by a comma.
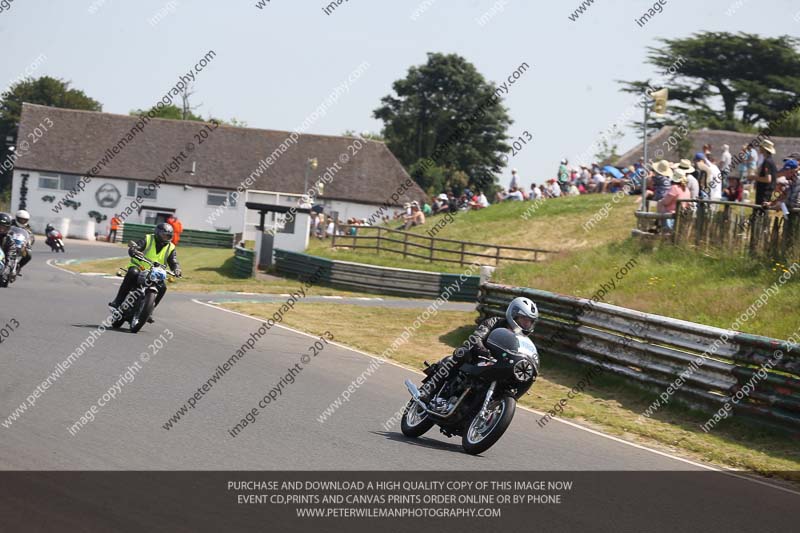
x,y
157,248
22,221
5,225
521,316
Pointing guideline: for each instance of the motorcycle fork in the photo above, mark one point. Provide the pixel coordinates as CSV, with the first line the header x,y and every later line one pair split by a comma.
x,y
483,413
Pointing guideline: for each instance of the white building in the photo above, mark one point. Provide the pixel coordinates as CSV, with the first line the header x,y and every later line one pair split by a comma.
x,y
79,168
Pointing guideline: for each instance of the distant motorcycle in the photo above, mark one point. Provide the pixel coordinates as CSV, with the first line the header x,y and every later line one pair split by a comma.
x,y
54,239
15,243
141,301
478,402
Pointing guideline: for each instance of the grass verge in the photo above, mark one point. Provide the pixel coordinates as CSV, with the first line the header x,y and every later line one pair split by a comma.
x,y
609,403
211,270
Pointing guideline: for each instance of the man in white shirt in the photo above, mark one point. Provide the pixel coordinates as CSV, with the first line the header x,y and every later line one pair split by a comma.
x,y
714,181
482,201
726,160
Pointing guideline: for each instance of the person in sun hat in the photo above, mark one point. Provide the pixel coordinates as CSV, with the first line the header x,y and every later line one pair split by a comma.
x,y
677,191
661,180
767,173
691,181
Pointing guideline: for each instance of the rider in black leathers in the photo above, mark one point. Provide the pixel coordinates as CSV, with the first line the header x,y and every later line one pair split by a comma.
x,y
21,221
521,316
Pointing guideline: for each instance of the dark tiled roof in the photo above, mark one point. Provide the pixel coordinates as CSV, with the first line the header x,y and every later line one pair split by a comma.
x,y
78,139
783,145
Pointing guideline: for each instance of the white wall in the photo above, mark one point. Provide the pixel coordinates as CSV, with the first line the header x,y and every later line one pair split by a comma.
x,y
190,205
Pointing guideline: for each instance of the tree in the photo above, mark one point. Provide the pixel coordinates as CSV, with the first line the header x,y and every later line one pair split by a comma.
x,y
609,144
169,111
754,79
368,135
446,114
47,91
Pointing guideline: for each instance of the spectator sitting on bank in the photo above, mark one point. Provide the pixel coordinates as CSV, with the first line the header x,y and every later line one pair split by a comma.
x,y
515,195
536,192
415,218
553,189
480,201
426,209
573,190
500,195
597,183
734,191
441,204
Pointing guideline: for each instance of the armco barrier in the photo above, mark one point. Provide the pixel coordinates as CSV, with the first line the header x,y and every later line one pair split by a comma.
x,y
370,278
189,237
244,262
656,351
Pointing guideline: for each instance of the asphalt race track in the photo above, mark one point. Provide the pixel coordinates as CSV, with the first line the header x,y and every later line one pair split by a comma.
x,y
56,310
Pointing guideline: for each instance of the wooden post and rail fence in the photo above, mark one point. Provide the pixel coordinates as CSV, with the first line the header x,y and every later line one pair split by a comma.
x,y
734,227
408,244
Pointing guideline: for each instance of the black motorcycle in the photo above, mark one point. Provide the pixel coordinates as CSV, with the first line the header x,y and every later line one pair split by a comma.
x,y
14,244
477,402
140,302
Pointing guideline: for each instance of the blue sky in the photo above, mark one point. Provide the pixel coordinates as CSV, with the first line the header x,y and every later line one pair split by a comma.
x,y
275,65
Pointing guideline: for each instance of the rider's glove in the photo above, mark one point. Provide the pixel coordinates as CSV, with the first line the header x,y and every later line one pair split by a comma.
x,y
178,272
483,352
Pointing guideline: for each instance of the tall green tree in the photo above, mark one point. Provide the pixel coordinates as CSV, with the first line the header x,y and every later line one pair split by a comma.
x,y
728,81
44,91
445,117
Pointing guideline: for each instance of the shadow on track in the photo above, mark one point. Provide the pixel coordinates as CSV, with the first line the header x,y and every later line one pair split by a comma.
x,y
423,442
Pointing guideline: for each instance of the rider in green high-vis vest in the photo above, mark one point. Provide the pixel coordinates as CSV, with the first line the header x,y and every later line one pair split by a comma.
x,y
157,248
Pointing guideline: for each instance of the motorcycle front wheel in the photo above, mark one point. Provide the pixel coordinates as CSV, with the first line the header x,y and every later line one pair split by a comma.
x,y
482,433
143,312
415,421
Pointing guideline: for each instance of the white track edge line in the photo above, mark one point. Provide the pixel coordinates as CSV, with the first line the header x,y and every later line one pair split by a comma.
x,y
569,423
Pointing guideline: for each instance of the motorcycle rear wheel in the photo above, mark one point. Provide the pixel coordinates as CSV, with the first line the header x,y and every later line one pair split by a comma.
x,y
481,434
415,422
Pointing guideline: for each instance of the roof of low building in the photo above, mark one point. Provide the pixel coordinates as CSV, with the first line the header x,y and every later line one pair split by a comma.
x,y
223,158
658,144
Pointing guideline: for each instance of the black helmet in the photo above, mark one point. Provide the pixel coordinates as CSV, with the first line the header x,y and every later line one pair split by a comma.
x,y
48,228
164,233
5,223
522,314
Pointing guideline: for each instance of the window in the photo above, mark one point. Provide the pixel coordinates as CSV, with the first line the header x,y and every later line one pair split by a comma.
x,y
48,181
69,183
137,188
223,198
58,181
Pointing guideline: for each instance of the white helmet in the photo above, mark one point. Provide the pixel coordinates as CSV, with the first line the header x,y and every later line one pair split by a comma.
x,y
523,310
23,217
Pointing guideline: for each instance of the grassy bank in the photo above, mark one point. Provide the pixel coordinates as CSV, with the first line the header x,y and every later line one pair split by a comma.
x,y
609,403
673,282
550,225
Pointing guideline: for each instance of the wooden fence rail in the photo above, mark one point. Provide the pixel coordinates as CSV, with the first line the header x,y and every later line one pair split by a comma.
x,y
383,239
738,228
